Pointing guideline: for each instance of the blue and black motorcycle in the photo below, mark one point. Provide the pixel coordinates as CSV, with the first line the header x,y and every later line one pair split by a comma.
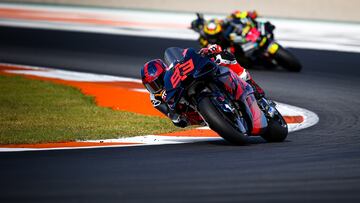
x,y
196,85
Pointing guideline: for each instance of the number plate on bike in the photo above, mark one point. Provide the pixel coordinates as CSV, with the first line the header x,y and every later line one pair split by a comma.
x,y
181,70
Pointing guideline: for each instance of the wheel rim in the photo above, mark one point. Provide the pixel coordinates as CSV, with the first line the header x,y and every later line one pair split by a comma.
x,y
232,116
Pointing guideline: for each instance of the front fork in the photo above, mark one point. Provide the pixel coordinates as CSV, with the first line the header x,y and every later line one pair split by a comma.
x,y
232,111
268,107
228,107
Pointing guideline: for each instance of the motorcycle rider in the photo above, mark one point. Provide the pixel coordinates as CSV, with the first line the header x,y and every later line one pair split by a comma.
x,y
152,75
238,24
244,17
232,29
211,32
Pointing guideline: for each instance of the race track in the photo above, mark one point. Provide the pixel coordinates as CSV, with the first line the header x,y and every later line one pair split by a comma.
x,y
321,163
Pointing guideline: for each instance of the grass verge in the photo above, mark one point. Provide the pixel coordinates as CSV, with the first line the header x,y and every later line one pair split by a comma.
x,y
33,111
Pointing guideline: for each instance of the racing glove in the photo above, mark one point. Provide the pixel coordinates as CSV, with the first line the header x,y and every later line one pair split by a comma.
x,y
212,49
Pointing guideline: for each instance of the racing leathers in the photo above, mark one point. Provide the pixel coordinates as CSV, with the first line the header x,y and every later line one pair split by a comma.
x,y
234,29
238,24
221,58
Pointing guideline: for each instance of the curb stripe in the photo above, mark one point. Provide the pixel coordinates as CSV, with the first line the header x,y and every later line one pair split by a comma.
x,y
67,144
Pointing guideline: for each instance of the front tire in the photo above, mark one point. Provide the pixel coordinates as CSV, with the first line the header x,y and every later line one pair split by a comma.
x,y
277,129
218,122
287,60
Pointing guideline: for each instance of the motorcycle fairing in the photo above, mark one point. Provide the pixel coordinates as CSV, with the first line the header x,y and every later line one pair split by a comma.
x,y
273,47
253,35
187,66
259,121
184,64
242,92
231,82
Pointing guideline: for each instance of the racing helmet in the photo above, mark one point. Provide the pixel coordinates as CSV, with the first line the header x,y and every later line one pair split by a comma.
x,y
152,75
238,14
212,30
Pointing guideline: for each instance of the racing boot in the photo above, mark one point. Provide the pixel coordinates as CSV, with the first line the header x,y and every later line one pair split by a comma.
x,y
178,120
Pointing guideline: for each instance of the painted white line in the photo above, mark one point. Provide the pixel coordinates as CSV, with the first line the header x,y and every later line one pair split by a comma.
x,y
320,46
184,34
140,90
67,75
158,139
310,118
65,148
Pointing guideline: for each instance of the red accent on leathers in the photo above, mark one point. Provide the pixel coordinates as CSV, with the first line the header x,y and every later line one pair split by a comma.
x,y
237,68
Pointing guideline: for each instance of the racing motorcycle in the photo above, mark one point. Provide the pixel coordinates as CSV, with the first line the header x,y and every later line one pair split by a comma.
x,y
195,85
258,47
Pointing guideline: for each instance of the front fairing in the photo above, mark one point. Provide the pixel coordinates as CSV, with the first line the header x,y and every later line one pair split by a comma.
x,y
257,117
185,66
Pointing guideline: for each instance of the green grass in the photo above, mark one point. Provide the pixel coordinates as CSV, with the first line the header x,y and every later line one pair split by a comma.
x,y
34,111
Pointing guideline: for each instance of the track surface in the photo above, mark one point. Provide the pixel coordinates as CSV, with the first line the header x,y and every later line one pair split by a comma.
x,y
321,163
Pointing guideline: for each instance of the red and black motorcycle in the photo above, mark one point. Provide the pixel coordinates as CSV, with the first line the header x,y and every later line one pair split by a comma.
x,y
257,47
196,85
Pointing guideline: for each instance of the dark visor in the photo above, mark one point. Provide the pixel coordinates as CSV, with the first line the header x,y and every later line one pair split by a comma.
x,y
154,86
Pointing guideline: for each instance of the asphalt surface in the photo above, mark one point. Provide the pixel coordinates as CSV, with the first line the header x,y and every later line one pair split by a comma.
x,y
318,164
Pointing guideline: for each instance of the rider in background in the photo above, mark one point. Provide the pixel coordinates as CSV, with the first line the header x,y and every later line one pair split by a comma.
x,y
238,24
211,32
152,75
233,29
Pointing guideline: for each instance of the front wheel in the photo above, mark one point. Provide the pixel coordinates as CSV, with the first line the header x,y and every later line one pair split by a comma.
x,y
277,129
287,60
220,122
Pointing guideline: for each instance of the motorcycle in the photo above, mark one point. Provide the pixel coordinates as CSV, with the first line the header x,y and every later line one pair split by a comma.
x,y
258,47
195,85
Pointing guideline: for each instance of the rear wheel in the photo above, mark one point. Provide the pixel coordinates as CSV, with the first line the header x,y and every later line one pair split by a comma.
x,y
220,122
287,60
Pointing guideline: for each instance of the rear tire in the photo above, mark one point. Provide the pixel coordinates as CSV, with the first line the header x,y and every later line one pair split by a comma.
x,y
287,60
218,122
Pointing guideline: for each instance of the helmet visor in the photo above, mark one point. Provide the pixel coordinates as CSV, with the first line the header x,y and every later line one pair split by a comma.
x,y
154,86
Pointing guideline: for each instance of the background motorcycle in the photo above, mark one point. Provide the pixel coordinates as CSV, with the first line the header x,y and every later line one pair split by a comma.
x,y
195,84
258,47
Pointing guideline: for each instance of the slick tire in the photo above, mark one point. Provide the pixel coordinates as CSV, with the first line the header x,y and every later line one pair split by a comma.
x,y
218,122
277,130
287,60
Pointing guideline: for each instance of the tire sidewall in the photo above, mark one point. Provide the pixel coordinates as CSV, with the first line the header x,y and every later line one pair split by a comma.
x,y
218,123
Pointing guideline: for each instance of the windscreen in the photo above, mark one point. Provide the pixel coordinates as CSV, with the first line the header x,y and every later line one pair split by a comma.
x,y
173,54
